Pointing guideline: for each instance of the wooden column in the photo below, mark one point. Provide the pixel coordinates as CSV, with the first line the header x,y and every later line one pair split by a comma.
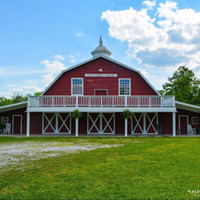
x,y
174,124
76,133
126,127
28,124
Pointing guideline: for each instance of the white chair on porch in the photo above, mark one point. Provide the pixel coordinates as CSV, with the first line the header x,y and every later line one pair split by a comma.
x,y
7,130
190,130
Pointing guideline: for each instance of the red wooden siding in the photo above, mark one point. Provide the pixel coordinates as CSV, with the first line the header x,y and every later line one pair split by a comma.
x,y
10,114
36,123
190,115
63,85
165,120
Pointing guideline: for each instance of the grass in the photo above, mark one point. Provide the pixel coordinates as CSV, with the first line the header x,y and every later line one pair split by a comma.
x,y
143,168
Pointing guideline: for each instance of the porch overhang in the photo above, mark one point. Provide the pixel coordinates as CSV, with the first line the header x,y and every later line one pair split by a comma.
x,y
102,109
187,106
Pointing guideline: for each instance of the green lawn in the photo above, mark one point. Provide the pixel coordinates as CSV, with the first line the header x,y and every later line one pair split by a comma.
x,y
138,168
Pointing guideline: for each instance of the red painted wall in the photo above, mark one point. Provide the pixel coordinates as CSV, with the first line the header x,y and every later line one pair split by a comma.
x,y
10,114
35,123
165,119
190,115
63,85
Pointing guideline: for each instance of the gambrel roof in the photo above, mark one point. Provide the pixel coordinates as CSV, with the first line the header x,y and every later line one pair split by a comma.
x,y
104,57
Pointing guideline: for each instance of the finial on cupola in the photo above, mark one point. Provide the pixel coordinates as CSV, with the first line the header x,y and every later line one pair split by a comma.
x,y
100,41
101,50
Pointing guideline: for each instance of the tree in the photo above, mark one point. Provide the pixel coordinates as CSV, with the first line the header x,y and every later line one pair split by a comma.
x,y
4,101
184,86
16,98
37,93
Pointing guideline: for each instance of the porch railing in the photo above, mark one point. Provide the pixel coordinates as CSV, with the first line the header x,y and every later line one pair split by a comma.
x,y
101,101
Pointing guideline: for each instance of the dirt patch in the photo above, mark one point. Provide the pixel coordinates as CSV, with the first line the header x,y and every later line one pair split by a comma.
x,y
15,153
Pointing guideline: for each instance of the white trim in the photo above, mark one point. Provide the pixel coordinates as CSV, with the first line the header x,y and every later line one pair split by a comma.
x,y
187,106
144,123
195,123
101,109
100,129
119,86
76,127
137,124
126,127
56,128
72,87
14,106
174,124
7,119
107,58
151,122
144,129
179,120
13,123
28,124
100,90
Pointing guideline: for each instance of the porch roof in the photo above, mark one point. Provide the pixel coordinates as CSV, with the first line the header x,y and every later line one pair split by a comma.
x,y
187,106
14,106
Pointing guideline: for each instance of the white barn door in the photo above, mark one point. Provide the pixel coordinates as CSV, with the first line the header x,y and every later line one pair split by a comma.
x,y
144,123
56,123
100,123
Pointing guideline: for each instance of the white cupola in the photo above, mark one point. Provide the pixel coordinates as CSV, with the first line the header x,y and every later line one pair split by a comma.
x,y
100,50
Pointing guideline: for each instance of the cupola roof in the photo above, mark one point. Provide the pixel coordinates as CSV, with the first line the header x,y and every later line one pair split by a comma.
x,y
101,50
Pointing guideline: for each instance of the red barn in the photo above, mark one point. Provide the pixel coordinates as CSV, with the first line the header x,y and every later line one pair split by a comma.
x,y
101,89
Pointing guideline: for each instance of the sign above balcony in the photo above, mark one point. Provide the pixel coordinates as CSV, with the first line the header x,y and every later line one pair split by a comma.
x,y
100,75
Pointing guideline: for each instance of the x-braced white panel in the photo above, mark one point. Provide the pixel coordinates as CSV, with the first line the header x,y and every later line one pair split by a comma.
x,y
144,123
101,124
51,125
152,122
138,121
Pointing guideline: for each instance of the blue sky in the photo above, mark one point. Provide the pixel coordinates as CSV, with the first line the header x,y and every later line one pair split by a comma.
x,y
38,38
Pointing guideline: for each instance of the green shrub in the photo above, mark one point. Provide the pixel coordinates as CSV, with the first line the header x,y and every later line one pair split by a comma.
x,y
1,126
126,114
197,130
76,114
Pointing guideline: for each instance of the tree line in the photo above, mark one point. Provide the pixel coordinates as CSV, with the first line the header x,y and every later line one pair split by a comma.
x,y
16,98
183,85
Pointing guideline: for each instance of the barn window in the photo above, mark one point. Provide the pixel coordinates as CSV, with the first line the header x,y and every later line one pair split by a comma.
x,y
77,86
195,120
4,120
124,86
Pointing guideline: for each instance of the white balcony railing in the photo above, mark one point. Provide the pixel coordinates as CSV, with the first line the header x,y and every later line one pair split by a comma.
x,y
101,101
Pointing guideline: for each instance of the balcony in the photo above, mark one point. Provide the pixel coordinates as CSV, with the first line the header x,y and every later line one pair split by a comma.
x,y
101,101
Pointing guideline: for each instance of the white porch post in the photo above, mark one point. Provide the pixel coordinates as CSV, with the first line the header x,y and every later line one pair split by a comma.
x,y
144,123
56,131
126,127
76,134
28,124
174,124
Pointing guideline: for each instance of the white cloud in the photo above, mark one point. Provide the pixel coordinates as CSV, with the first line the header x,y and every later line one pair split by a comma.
x,y
7,71
26,89
2,71
11,85
53,68
59,57
149,4
168,39
73,57
79,34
